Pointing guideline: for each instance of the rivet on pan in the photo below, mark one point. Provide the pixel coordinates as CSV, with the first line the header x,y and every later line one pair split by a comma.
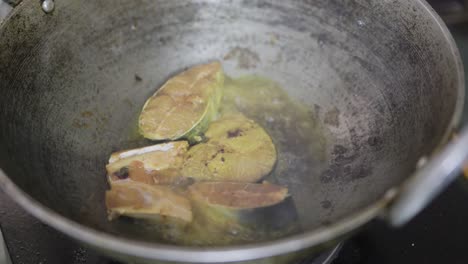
x,y
421,162
48,6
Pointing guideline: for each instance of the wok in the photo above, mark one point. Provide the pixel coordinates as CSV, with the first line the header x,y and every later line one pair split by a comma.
x,y
382,79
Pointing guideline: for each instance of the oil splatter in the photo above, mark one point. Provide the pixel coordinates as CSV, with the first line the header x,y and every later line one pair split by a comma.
x,y
86,114
332,117
246,58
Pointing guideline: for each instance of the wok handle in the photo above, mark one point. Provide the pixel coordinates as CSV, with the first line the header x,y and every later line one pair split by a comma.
x,y
429,181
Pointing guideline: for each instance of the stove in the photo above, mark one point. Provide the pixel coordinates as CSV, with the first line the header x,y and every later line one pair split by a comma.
x,y
438,235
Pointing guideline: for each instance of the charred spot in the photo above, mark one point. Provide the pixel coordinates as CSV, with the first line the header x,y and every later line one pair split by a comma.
x,y
138,78
339,150
374,141
327,176
326,204
234,133
123,173
360,172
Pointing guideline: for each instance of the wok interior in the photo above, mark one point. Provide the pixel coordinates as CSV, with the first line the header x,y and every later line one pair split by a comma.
x,y
378,77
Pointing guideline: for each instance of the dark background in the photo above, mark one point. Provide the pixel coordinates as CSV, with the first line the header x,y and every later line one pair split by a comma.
x,y
438,235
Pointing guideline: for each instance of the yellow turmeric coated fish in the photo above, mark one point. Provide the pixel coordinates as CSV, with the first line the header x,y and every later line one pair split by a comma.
x,y
140,200
156,164
185,105
226,212
133,176
237,149
237,195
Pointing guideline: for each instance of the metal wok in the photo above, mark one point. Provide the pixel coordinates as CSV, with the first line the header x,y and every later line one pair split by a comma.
x,y
382,79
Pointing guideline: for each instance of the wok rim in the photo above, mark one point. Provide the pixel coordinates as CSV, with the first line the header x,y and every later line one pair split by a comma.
x,y
154,251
